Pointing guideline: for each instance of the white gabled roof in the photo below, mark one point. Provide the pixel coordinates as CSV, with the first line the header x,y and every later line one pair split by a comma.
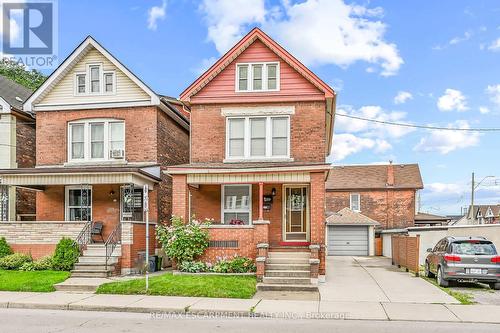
x,y
72,60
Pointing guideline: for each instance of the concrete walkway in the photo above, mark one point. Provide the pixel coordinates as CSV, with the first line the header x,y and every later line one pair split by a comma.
x,y
374,279
197,306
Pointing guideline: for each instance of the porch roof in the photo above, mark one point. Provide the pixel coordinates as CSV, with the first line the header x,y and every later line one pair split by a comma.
x,y
37,178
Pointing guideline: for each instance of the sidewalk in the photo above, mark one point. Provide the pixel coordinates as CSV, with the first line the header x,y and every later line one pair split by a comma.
x,y
222,307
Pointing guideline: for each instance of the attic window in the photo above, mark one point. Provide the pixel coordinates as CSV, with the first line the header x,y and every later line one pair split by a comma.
x,y
95,81
257,77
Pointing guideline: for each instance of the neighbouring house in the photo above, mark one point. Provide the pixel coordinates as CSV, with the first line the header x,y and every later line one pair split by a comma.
x,y
386,194
261,129
102,138
426,219
17,149
481,214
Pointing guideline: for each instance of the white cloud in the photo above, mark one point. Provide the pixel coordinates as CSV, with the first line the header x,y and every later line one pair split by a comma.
x,y
347,144
446,141
228,20
455,40
495,45
156,13
494,92
316,31
446,188
205,64
452,100
484,110
402,97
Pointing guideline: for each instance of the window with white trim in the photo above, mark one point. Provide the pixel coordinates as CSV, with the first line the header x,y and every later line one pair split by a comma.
x,y
78,203
96,140
95,78
355,202
236,204
95,81
257,77
259,137
81,87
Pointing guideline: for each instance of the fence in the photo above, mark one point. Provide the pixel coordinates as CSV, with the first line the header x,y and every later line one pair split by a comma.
x,y
405,252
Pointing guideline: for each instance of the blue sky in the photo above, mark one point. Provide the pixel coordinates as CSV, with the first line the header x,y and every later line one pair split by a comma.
x,y
421,62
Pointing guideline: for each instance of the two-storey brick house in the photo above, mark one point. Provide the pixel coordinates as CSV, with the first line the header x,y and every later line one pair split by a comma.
x,y
102,135
261,128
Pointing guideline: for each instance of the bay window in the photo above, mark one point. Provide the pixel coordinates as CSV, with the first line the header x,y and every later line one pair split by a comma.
x,y
259,137
96,140
236,204
257,77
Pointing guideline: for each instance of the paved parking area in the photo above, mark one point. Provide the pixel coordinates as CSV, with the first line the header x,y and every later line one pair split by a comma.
x,y
481,293
374,279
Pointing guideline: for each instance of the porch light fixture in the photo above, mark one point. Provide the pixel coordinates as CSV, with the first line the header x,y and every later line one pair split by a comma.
x,y
273,192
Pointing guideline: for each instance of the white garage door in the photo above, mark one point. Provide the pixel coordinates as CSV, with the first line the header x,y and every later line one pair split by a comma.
x,y
347,240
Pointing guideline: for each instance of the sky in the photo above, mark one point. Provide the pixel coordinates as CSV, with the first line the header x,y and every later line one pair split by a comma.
x,y
422,62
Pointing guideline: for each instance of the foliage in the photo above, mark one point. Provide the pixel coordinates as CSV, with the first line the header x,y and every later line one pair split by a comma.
x,y
42,281
66,255
186,285
31,79
5,249
193,266
14,261
183,241
223,265
42,264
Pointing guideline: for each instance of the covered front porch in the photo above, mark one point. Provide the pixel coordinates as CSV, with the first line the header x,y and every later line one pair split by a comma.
x,y
252,208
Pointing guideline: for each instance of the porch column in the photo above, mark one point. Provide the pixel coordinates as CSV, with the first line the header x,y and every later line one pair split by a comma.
x,y
180,194
318,217
261,201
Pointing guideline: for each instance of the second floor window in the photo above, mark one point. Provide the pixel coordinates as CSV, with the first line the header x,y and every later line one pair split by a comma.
x,y
95,81
94,140
258,137
355,202
257,77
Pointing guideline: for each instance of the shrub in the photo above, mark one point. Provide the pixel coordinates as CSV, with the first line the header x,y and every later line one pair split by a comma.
x,y
14,261
66,255
183,241
5,249
242,265
42,264
193,267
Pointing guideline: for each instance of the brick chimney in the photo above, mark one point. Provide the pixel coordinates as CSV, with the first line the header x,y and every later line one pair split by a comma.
x,y
390,175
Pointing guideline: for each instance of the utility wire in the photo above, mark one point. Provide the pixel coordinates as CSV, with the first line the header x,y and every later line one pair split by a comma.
x,y
420,126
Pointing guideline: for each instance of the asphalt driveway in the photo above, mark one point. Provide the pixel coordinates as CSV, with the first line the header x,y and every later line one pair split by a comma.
x,y
374,279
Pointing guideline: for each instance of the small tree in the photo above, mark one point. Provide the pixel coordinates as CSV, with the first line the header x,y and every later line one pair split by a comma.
x,y
5,249
66,255
183,241
31,79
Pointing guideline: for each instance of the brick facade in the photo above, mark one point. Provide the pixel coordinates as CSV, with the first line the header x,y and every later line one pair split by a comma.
x,y
392,208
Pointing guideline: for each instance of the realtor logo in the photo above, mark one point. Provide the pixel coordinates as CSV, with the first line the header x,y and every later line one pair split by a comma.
x,y
29,31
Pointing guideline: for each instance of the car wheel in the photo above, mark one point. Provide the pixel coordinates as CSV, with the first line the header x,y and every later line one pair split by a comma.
x,y
440,280
428,272
494,285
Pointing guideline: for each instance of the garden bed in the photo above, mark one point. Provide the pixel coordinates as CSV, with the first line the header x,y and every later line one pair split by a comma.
x,y
35,281
196,285
213,273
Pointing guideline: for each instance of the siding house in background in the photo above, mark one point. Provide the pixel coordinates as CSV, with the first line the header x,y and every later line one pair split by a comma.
x,y
17,149
102,135
481,214
261,129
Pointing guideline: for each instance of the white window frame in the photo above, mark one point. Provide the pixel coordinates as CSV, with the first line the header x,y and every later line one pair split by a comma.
x,y
247,139
66,199
88,87
250,76
223,210
87,142
359,202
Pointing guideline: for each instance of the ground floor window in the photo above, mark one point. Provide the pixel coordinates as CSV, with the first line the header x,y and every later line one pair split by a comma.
x,y
4,202
236,204
79,203
131,203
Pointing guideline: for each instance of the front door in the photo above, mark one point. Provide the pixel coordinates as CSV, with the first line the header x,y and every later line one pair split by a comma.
x,y
296,213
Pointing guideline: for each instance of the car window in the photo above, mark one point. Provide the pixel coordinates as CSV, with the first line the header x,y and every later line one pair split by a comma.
x,y
438,245
473,248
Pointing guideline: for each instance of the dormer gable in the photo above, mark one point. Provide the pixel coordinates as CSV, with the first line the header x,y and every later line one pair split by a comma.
x,y
90,77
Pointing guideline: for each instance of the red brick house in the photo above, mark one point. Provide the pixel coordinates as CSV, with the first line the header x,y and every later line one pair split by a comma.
x,y
102,135
261,129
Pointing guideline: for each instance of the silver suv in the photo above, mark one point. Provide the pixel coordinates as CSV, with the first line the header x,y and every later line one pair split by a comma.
x,y
464,259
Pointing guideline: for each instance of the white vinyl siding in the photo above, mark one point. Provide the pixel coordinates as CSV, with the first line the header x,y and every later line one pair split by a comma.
x,y
262,137
64,91
236,204
355,200
94,140
257,77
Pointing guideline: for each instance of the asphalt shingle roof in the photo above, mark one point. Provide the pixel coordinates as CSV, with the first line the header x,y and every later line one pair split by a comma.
x,y
13,93
348,217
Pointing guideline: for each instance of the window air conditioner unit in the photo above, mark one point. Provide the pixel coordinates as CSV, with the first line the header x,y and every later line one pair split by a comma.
x,y
117,153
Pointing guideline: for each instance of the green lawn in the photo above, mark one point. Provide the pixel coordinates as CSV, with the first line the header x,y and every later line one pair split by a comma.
x,y
186,285
31,281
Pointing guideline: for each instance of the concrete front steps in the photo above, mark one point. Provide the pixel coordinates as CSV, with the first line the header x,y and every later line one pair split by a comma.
x,y
81,285
92,264
287,271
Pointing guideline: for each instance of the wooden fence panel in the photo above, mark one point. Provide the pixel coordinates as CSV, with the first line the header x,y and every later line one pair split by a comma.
x,y
405,252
